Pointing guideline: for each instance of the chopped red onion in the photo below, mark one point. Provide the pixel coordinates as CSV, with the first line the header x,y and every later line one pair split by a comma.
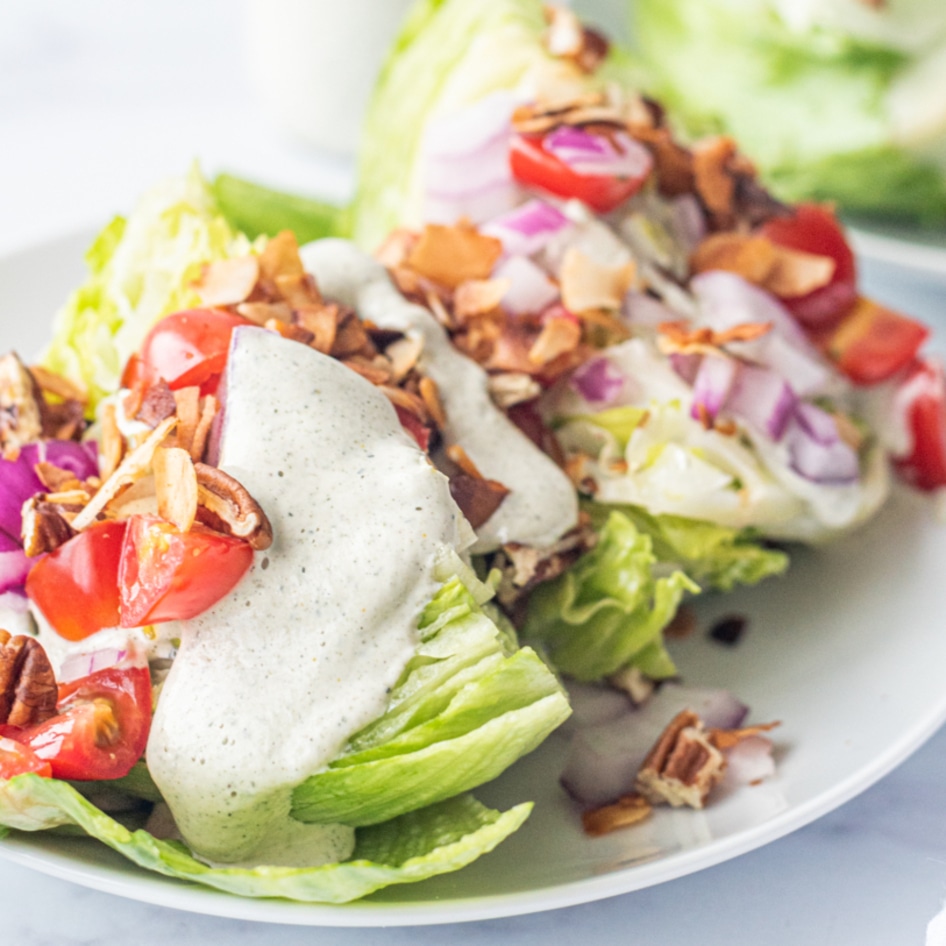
x,y
763,399
530,289
685,365
598,381
476,205
76,666
527,228
616,155
818,424
643,310
750,760
15,601
593,704
830,463
14,567
688,221
712,385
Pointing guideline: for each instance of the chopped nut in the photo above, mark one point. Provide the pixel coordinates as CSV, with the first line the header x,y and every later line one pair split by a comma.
x,y
452,255
157,404
226,505
627,810
280,257
28,691
478,498
175,485
587,284
462,459
683,766
229,281
44,526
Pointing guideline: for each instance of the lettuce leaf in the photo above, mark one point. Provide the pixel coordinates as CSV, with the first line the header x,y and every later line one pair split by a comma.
x,y
716,557
607,612
466,707
139,269
436,840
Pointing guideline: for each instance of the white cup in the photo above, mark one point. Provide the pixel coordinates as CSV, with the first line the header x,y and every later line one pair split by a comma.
x,y
313,63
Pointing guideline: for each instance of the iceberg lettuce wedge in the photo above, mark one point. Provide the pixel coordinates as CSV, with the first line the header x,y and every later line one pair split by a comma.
x,y
438,839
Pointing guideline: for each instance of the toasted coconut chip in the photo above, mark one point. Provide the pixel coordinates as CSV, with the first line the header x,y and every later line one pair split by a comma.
x,y
135,465
452,255
586,284
175,485
228,281
137,499
208,411
558,336
131,403
512,387
751,257
298,289
322,322
111,442
351,337
796,273
377,370
477,498
679,337
403,355
673,164
52,383
396,248
462,459
187,403
627,810
69,497
280,257
588,109
430,395
406,400
713,176
295,333
55,478
726,739
479,296
263,312
564,36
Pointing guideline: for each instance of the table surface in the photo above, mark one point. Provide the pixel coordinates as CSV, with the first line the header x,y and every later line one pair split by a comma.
x,y
100,98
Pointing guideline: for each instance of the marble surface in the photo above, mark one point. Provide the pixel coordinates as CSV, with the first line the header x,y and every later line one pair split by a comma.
x,y
98,98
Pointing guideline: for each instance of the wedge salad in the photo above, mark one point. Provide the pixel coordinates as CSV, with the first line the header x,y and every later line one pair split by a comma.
x,y
301,542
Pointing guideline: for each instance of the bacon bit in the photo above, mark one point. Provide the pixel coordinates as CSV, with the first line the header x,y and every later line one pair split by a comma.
x,y
586,284
208,412
559,336
627,810
263,312
478,498
63,420
430,395
727,427
479,297
157,404
132,401
726,739
678,337
712,178
228,281
293,332
187,401
396,248
452,255
589,109
783,271
51,383
322,322
111,442
462,459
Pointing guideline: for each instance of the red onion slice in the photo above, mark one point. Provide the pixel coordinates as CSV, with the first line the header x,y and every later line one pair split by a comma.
x,y
598,381
749,761
712,385
14,567
763,399
686,365
471,129
530,289
76,666
616,155
644,311
829,463
527,228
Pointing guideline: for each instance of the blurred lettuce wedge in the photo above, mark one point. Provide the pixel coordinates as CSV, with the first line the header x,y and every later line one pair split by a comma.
x,y
833,101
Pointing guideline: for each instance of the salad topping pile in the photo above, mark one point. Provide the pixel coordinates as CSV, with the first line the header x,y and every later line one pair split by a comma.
x,y
302,503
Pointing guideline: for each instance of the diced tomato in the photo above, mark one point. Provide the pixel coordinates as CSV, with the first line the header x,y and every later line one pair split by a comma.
x,y
925,409
814,229
16,758
101,728
188,348
411,423
534,166
76,586
872,343
168,575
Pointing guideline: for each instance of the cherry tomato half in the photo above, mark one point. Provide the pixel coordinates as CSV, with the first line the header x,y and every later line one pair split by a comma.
x,y
925,394
101,728
188,348
872,343
16,758
76,586
168,575
534,166
814,229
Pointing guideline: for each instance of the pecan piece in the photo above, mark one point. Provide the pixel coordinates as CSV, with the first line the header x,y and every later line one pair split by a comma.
x,y
226,505
28,690
44,526
683,766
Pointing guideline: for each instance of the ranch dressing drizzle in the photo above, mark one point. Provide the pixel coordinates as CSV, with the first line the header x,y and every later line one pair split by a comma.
x,y
271,682
542,504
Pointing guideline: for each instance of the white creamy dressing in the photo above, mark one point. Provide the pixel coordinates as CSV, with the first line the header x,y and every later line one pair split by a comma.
x,y
542,504
270,683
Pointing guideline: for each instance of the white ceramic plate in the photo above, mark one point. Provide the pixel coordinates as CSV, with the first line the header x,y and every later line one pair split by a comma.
x,y
847,651
922,252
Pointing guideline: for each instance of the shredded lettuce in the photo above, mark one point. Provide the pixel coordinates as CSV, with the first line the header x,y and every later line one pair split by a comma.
x,y
436,840
139,270
607,612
